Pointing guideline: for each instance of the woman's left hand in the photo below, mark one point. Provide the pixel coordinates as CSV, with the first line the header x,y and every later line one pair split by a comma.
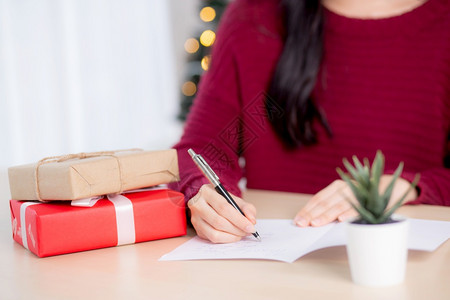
x,y
332,203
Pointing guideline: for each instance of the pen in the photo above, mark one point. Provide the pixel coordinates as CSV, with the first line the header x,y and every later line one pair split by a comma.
x,y
214,179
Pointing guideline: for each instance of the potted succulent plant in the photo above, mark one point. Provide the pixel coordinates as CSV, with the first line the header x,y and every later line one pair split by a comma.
x,y
376,239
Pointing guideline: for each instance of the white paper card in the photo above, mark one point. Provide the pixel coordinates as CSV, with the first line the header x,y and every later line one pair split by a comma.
x,y
283,241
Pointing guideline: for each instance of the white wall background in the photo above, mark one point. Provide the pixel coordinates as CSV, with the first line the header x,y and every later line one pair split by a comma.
x,y
90,75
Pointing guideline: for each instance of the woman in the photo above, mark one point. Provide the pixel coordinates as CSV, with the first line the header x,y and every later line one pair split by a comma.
x,y
295,86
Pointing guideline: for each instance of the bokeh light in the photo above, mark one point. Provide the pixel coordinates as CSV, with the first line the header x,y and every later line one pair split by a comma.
x,y
189,88
191,45
207,38
207,14
205,62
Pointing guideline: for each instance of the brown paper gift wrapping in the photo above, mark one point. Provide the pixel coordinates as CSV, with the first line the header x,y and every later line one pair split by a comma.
x,y
92,176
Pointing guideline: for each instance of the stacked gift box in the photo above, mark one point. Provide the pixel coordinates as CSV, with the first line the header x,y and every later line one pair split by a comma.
x,y
88,201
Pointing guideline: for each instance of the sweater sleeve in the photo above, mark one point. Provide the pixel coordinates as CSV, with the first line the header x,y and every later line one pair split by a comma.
x,y
213,125
434,184
433,187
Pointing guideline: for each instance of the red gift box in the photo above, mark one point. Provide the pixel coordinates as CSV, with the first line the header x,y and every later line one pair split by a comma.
x,y
58,227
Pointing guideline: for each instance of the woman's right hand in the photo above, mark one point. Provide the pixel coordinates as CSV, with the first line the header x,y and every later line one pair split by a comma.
x,y
216,220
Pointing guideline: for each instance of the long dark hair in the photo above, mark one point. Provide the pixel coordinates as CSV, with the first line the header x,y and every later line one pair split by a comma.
x,y
296,72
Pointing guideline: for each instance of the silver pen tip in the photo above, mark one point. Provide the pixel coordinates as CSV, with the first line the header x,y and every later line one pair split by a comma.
x,y
257,236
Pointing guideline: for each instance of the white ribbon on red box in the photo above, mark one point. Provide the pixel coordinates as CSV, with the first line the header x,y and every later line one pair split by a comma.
x,y
122,205
124,215
23,225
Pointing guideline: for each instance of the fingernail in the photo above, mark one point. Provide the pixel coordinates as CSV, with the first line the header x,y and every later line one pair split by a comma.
x,y
250,229
301,222
316,222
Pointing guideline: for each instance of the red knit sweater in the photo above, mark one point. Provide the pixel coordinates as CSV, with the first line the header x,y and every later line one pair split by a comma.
x,y
384,84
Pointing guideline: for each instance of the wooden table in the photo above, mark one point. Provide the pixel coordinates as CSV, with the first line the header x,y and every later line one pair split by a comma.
x,y
134,272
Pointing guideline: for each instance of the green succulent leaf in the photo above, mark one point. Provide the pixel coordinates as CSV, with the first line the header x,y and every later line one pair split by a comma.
x,y
377,167
364,214
388,192
375,204
353,172
360,194
366,162
399,202
364,181
362,171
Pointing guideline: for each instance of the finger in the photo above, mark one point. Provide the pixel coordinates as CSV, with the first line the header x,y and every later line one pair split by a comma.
x,y
325,211
306,218
223,208
201,209
205,231
333,188
303,217
248,209
220,223
321,204
351,213
331,214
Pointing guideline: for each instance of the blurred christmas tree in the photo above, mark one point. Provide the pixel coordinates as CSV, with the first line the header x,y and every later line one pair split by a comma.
x,y
199,51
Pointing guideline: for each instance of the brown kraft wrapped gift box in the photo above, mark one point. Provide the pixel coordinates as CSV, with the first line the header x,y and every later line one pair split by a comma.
x,y
85,175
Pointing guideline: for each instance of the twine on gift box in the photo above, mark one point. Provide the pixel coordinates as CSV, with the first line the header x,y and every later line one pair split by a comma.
x,y
81,155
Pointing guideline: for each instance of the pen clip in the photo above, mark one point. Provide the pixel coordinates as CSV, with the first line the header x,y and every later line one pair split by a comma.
x,y
207,167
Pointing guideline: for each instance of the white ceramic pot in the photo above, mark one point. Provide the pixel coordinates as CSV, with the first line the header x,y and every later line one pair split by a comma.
x,y
378,253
